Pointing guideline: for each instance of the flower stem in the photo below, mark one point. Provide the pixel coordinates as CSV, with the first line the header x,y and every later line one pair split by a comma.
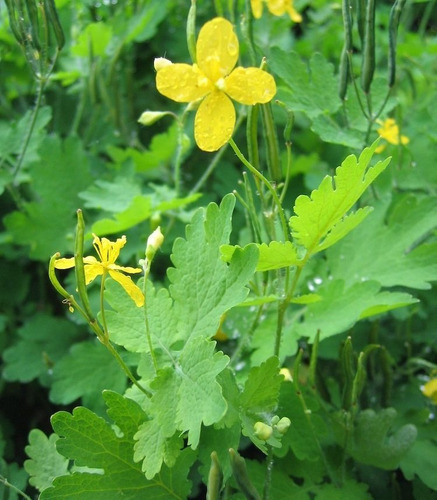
x,y
263,179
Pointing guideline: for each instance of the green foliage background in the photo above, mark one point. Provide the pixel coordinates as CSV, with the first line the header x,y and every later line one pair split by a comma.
x,y
358,331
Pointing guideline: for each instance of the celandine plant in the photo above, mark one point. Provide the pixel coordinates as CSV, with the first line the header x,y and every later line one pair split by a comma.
x,y
226,390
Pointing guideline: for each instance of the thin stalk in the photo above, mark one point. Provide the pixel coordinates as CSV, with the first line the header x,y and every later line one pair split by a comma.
x,y
39,95
13,488
146,318
268,476
258,175
102,306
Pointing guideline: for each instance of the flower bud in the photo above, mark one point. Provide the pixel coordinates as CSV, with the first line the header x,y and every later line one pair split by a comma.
x,y
262,431
150,117
161,62
154,242
283,425
285,372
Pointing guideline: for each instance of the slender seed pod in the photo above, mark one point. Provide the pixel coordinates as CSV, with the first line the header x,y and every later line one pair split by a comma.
x,y
361,376
361,19
273,158
289,126
393,25
52,14
368,66
313,359
347,48
15,26
240,473
347,360
54,280
387,374
79,267
34,23
191,31
215,479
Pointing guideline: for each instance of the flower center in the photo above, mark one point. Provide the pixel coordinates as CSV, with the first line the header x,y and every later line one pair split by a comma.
x,y
221,84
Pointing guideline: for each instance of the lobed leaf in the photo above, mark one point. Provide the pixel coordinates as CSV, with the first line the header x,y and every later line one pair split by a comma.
x,y
319,221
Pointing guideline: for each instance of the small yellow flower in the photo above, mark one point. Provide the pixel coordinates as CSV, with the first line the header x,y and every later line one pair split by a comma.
x,y
390,132
277,8
214,80
430,390
108,252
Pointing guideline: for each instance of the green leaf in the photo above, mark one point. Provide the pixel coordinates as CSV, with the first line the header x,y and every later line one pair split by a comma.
x,y
371,443
275,255
311,88
259,397
113,196
184,398
93,40
305,426
202,285
320,218
45,462
92,442
47,224
43,341
348,490
386,247
420,461
86,371
359,300
330,131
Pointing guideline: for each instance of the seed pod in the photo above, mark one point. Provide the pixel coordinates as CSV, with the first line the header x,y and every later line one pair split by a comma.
x,y
191,31
347,360
368,65
215,478
34,23
240,473
393,25
52,14
289,126
15,26
361,19
347,49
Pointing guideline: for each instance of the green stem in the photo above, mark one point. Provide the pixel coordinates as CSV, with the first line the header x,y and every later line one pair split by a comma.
x,y
268,476
146,317
41,85
14,488
258,175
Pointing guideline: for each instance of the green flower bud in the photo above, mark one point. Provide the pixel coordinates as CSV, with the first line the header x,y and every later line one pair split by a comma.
x,y
283,425
275,420
154,242
150,117
262,431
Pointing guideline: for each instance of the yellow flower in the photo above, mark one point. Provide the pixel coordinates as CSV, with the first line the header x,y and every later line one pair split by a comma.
x,y
390,132
214,80
108,252
430,390
277,8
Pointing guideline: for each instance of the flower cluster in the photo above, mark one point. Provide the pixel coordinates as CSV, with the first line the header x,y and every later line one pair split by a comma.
x,y
389,131
214,81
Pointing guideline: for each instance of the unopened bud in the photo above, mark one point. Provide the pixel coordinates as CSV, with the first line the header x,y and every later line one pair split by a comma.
x,y
285,372
262,431
283,425
154,242
161,62
150,117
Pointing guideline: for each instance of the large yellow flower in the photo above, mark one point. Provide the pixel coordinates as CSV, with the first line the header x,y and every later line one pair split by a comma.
x,y
215,80
277,8
108,252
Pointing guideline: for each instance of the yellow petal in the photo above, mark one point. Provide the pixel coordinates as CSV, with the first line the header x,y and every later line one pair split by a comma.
x,y
92,271
276,7
182,82
250,86
64,263
217,49
257,8
131,289
130,270
214,122
294,14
